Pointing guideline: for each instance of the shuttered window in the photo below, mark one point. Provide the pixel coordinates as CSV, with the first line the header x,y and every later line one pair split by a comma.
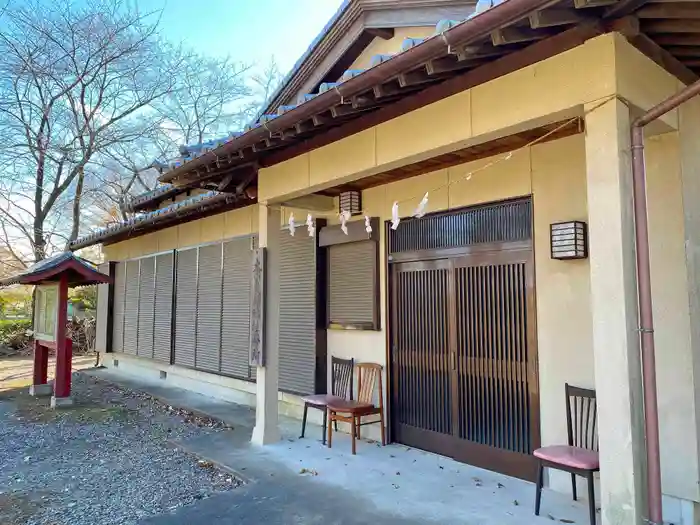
x,y
186,308
297,279
163,322
118,311
353,293
235,329
209,308
190,308
146,307
131,307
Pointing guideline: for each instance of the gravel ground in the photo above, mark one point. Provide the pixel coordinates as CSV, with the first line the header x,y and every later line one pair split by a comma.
x,y
106,461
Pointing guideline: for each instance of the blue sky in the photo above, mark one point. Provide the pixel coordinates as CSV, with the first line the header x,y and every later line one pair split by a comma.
x,y
248,30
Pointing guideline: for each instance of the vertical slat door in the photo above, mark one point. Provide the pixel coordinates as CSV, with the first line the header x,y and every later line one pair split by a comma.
x,y
493,358
163,317
421,355
235,329
297,361
131,307
118,309
208,327
146,307
186,308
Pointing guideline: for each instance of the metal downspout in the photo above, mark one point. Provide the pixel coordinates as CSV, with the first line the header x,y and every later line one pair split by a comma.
x,y
646,316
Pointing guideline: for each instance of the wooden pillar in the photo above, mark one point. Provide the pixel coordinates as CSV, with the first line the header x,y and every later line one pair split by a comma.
x,y
40,386
64,350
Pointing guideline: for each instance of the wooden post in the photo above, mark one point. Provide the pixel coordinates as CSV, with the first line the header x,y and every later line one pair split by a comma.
x,y
39,386
64,350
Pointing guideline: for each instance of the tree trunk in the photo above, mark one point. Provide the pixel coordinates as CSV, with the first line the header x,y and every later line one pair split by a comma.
x,y
75,230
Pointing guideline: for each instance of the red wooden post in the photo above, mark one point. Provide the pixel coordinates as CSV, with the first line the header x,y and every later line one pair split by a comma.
x,y
40,386
64,349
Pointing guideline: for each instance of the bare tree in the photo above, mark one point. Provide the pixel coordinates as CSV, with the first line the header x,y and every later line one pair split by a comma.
x,y
76,80
209,100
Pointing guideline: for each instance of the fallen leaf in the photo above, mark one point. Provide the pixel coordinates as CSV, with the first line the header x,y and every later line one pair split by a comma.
x,y
564,520
398,473
516,502
551,517
501,486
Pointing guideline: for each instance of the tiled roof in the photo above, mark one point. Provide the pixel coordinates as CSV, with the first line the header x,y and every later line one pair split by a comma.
x,y
140,218
189,153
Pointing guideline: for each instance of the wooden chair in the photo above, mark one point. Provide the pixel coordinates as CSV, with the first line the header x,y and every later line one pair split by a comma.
x,y
342,371
369,374
580,456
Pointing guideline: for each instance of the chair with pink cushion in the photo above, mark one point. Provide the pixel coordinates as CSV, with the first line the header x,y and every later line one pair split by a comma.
x,y
580,456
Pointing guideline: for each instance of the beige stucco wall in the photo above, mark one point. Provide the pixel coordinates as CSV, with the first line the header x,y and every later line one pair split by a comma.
x,y
555,174
226,225
379,46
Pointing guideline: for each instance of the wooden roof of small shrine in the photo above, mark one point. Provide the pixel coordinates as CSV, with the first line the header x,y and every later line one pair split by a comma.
x,y
77,270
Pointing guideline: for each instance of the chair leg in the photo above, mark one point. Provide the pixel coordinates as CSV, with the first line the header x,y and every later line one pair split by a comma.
x,y
303,421
353,431
591,497
330,430
538,489
336,425
358,426
573,485
325,424
381,428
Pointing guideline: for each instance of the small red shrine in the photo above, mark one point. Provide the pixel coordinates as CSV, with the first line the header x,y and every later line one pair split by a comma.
x,y
52,278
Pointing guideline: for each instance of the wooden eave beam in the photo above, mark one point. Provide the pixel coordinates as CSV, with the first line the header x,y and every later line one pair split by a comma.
x,y
623,8
555,17
514,35
386,33
671,26
676,10
449,64
629,27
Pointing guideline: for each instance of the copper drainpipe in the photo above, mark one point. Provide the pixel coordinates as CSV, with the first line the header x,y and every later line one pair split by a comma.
x,y
646,316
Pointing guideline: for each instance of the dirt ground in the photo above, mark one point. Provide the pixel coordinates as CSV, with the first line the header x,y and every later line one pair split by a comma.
x,y
110,459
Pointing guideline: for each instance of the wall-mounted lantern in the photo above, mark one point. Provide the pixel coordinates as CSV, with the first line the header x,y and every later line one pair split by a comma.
x,y
350,201
569,240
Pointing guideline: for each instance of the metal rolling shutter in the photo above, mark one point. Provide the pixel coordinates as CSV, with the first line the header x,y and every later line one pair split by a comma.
x,y
209,308
352,284
131,307
118,311
236,307
297,361
186,308
146,307
163,321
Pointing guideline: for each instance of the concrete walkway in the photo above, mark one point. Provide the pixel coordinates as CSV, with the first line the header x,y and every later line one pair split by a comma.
x,y
303,482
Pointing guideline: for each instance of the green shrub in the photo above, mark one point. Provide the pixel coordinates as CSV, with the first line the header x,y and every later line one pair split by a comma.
x,y
15,332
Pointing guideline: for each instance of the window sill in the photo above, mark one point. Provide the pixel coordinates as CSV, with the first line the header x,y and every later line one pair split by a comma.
x,y
366,327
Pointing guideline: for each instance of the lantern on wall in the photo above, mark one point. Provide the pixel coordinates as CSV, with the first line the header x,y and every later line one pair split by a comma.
x,y
351,202
569,240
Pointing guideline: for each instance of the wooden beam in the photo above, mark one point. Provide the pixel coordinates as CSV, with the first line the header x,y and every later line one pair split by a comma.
x,y
692,63
671,26
304,127
584,4
663,58
514,35
623,7
320,120
555,17
677,40
683,51
386,33
448,64
670,10
417,77
472,52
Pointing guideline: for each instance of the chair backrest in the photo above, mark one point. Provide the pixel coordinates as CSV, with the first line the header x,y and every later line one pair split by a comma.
x,y
369,374
581,417
342,371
